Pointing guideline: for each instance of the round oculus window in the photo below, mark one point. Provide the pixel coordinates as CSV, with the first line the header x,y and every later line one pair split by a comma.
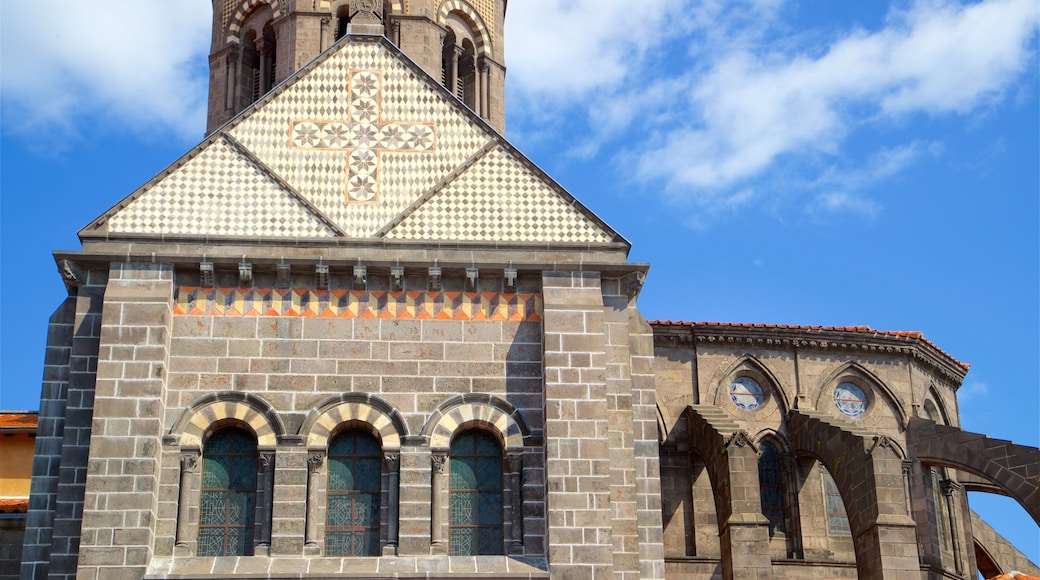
x,y
746,393
850,399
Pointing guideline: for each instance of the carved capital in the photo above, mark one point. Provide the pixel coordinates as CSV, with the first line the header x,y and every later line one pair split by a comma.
x,y
740,439
438,462
266,460
189,462
314,461
392,459
950,488
516,463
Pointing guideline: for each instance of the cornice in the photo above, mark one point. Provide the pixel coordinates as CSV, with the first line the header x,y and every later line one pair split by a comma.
x,y
856,342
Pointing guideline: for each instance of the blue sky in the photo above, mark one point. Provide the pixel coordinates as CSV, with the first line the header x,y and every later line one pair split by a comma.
x,y
777,161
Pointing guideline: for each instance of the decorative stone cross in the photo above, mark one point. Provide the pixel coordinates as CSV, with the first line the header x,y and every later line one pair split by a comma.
x,y
365,136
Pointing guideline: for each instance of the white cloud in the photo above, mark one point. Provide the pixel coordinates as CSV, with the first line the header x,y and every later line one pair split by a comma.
x,y
751,109
135,65
753,97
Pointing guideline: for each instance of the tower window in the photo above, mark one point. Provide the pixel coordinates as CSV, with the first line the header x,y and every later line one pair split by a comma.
x,y
352,519
476,495
771,487
227,506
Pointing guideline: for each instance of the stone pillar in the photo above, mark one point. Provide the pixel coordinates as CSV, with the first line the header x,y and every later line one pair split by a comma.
x,y
43,495
515,538
264,503
122,479
189,488
951,491
315,460
732,462
793,519
290,505
577,423
392,467
438,505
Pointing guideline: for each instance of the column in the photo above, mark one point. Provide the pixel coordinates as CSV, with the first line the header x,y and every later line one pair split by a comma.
x,y
516,504
439,489
185,521
392,463
951,490
315,459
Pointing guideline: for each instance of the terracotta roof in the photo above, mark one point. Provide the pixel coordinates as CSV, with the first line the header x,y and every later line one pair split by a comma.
x,y
1014,576
914,334
18,419
14,506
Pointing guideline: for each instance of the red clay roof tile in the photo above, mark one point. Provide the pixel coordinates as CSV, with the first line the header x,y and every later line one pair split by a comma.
x,y
914,334
18,419
14,506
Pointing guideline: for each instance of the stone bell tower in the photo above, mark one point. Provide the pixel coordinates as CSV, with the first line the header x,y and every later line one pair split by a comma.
x,y
257,44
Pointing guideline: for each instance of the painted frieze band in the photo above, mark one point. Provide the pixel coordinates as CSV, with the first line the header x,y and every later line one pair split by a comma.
x,y
492,306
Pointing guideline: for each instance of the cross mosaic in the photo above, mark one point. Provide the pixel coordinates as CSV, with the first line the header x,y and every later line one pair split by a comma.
x,y
365,136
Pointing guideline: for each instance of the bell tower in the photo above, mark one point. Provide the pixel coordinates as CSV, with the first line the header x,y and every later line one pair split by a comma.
x,y
257,44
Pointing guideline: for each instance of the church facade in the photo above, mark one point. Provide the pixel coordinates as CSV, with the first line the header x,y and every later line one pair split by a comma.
x,y
355,333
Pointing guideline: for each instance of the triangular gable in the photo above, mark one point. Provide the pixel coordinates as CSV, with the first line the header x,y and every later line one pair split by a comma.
x,y
353,144
219,191
499,199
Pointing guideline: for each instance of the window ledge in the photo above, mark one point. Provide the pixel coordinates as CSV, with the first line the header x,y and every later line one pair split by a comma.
x,y
429,567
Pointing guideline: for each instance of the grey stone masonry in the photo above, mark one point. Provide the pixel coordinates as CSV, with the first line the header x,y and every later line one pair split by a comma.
x,y
577,440
47,459
119,510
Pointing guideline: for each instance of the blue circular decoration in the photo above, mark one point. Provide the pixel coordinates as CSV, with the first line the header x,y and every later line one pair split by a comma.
x,y
746,393
850,399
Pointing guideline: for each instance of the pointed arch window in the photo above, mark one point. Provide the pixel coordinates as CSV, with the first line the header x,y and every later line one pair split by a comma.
x,y
476,495
771,487
837,517
228,502
354,488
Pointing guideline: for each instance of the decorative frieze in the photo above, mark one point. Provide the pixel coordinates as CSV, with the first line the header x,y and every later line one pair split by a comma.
x,y
486,306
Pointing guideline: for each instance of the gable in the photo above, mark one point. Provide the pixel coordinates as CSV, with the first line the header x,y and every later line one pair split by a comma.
x,y
359,144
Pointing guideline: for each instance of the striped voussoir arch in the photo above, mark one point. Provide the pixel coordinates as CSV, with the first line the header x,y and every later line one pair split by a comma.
x,y
324,420
199,419
483,35
234,27
445,425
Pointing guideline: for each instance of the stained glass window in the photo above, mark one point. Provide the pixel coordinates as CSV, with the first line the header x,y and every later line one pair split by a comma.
x,y
228,494
850,399
476,495
746,393
837,517
352,518
771,487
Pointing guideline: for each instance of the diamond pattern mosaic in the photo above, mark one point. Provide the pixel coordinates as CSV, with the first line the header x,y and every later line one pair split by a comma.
x,y
498,199
361,145
364,136
219,191
493,306
324,93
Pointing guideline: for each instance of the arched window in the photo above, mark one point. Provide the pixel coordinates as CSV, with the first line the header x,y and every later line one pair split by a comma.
x,y
476,495
466,86
837,517
448,60
228,503
352,518
342,21
771,487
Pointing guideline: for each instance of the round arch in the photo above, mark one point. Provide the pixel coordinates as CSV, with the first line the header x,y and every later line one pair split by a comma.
x,y
234,27
500,416
206,413
324,420
483,40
